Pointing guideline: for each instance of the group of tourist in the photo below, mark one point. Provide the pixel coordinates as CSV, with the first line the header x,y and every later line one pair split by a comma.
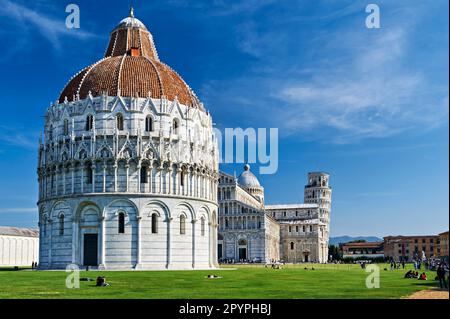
x,y
397,265
415,275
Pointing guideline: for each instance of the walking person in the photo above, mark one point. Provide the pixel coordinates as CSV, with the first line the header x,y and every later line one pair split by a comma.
x,y
441,276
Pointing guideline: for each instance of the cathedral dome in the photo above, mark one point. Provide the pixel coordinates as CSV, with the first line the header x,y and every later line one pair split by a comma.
x,y
248,179
130,68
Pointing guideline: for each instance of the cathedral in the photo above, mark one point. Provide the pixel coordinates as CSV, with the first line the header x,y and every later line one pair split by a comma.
x,y
128,165
250,231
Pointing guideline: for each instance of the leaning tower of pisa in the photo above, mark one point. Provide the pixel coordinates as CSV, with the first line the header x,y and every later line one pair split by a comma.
x,y
318,191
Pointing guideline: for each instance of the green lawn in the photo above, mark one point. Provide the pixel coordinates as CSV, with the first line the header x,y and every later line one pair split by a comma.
x,y
326,281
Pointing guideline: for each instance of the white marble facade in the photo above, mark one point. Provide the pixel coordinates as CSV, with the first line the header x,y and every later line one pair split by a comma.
x,y
87,178
128,181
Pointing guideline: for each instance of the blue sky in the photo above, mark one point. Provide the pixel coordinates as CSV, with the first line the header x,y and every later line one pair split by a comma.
x,y
369,106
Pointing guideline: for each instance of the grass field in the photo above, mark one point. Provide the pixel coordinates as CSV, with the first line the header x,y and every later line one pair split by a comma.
x,y
292,282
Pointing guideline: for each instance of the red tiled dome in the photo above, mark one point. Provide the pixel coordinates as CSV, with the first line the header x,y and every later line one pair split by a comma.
x,y
130,68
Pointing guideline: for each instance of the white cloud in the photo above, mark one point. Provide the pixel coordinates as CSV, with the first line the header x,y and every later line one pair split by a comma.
x,y
50,27
19,210
11,136
370,96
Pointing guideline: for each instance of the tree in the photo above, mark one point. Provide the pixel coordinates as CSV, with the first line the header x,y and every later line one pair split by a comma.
x,y
335,252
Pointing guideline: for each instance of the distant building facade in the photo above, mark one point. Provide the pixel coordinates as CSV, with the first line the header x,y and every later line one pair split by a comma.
x,y
363,250
18,246
252,231
443,245
408,248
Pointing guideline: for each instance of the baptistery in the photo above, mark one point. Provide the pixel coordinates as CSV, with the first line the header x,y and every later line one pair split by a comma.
x,y
128,165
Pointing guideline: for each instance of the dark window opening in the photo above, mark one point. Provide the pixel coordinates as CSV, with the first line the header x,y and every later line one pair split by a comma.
x,y
121,223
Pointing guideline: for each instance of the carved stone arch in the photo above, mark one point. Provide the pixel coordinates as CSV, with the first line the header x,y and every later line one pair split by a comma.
x,y
207,212
160,205
187,208
150,151
59,206
78,210
82,152
124,200
104,151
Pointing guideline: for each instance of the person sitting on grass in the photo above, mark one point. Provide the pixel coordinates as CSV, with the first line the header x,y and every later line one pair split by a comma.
x,y
423,276
101,282
409,274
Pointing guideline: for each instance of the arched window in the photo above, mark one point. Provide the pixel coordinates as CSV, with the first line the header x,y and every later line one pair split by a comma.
x,y
61,224
182,175
89,175
290,228
304,229
296,229
144,174
175,126
292,245
89,122
154,223
202,226
119,122
182,225
121,225
66,127
310,228
148,124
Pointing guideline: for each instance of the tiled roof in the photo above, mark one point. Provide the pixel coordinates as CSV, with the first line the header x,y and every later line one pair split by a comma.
x,y
22,232
130,68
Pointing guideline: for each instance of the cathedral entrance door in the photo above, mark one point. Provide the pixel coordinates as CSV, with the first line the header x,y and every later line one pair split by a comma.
x,y
90,249
306,258
242,253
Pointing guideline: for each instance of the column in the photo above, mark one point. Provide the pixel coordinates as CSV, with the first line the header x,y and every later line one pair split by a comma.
x,y
160,171
169,173
93,177
56,180
104,177
138,244
50,243
101,264
74,240
139,178
127,170
64,180
115,166
193,243
72,169
169,249
150,177
82,178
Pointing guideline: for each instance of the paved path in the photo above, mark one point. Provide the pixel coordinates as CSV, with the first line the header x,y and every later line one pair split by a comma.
x,y
429,294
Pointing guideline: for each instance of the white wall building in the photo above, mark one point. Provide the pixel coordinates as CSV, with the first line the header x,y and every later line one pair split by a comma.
x,y
128,167
18,246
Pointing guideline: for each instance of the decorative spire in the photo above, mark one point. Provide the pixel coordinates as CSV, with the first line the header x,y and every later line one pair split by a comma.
x,y
131,12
